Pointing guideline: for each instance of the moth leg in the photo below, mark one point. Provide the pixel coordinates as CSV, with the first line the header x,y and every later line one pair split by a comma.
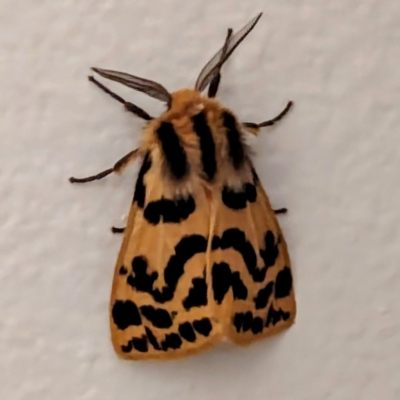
x,y
118,167
117,230
139,112
281,211
254,128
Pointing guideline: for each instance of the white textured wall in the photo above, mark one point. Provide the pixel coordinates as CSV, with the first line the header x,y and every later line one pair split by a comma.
x,y
334,162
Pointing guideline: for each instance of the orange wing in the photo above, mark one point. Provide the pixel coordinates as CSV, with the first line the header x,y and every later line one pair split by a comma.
x,y
160,304
251,274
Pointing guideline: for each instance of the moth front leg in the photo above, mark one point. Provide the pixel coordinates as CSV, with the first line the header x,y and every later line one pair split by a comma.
x,y
281,211
139,112
255,128
118,167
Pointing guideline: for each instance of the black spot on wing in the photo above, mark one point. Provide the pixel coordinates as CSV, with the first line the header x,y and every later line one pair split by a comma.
x,y
238,287
257,325
236,239
123,271
125,314
207,145
263,295
203,326
235,145
197,294
187,248
143,281
187,332
152,339
159,317
271,250
174,153
251,192
221,280
283,283
139,344
233,199
274,316
169,211
215,243
172,341
238,321
140,189
127,348
140,279
237,200
247,321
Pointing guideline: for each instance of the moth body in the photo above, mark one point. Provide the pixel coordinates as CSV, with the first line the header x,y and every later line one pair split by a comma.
x,y
203,259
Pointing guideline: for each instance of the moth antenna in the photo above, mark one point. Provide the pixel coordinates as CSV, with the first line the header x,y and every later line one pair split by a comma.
x,y
151,88
216,62
216,78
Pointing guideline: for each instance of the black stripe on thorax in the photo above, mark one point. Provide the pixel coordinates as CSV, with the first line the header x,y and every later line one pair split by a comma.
x,y
173,150
235,145
207,145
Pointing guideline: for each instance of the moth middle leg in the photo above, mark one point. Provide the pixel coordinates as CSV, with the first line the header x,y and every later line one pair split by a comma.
x,y
117,230
254,128
118,167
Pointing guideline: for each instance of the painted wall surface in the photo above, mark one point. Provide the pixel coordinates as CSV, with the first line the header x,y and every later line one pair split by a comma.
x,y
334,162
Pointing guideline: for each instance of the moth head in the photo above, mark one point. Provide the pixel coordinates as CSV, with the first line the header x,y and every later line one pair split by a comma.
x,y
187,102
210,74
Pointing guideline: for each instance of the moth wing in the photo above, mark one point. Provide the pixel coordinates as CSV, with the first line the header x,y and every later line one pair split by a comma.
x,y
252,279
159,303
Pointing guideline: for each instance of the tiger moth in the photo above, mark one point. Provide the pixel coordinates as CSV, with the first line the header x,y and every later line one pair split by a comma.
x,y
203,258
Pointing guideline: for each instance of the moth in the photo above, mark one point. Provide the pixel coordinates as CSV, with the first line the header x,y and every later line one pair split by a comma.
x,y
203,258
